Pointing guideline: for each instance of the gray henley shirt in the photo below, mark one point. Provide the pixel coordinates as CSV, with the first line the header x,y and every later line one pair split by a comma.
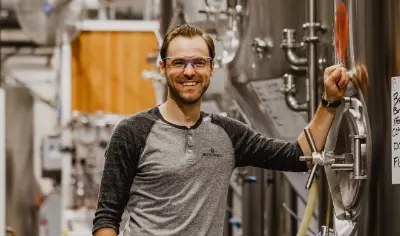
x,y
174,180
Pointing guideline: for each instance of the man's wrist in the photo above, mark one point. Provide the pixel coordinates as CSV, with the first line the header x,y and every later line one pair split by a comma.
x,y
330,103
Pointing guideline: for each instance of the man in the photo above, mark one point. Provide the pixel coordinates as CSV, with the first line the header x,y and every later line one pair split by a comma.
x,y
170,166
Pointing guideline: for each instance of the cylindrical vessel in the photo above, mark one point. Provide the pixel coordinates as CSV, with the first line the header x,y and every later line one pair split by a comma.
x,y
383,51
21,185
266,19
255,77
373,57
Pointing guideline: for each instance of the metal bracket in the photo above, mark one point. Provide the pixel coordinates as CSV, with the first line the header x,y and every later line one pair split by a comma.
x,y
316,27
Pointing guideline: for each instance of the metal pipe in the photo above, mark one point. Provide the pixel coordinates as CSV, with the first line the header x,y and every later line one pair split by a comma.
x,y
63,119
166,13
290,90
311,177
313,99
2,160
293,59
289,45
310,140
312,59
293,104
357,157
342,167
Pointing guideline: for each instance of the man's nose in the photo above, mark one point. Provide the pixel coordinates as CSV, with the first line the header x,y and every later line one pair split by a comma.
x,y
189,70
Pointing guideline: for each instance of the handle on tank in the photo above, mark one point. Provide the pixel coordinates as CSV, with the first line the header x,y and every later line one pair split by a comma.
x,y
313,148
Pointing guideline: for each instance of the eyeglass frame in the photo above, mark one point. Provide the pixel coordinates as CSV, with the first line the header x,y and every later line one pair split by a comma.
x,y
188,60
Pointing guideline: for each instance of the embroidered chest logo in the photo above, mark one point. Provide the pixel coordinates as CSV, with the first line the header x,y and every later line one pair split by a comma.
x,y
211,153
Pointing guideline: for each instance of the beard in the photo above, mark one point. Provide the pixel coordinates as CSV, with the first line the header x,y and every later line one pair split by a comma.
x,y
178,95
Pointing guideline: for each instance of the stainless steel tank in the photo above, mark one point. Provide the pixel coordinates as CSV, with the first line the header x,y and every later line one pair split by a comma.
x,y
21,186
377,46
373,57
256,80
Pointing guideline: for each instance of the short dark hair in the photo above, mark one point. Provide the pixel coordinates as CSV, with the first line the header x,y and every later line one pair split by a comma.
x,y
188,31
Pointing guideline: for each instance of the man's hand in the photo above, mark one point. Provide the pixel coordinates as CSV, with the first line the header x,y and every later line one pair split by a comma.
x,y
105,232
336,80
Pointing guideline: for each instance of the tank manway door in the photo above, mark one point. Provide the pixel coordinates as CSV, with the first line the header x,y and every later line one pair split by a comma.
x,y
346,157
348,142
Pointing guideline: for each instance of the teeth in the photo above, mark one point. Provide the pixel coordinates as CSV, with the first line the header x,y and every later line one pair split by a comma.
x,y
189,83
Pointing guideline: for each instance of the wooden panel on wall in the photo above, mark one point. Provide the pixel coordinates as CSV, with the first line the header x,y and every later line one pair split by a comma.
x,y
106,72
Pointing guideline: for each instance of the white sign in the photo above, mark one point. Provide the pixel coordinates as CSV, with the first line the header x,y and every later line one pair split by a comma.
x,y
395,114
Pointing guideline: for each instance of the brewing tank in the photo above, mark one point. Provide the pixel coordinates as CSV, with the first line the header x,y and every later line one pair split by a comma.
x,y
256,71
21,185
378,47
372,57
263,22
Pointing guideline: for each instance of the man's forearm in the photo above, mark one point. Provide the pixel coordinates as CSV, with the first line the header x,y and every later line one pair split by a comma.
x,y
319,128
105,232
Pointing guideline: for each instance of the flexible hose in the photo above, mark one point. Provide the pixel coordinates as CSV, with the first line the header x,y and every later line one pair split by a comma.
x,y
308,214
328,211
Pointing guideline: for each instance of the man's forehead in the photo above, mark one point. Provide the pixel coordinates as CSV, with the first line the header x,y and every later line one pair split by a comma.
x,y
185,46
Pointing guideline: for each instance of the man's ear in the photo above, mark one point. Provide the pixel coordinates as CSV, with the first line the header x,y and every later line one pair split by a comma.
x,y
212,68
162,68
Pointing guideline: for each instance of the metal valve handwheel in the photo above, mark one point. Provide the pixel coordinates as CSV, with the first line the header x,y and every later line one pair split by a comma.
x,y
346,158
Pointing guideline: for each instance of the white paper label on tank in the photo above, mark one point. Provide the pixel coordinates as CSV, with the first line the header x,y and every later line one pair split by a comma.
x,y
288,123
395,114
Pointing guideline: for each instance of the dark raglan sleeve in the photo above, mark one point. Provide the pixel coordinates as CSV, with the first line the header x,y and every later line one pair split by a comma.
x,y
253,149
121,157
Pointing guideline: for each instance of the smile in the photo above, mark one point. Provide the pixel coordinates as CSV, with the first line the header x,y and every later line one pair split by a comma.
x,y
189,83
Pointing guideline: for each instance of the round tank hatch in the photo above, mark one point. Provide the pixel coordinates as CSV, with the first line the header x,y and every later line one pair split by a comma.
x,y
349,140
350,134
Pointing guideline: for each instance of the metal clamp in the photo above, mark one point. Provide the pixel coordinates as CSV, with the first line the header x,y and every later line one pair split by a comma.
x,y
314,27
289,39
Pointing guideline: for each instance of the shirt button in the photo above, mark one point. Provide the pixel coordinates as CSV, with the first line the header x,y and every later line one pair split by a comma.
x,y
190,141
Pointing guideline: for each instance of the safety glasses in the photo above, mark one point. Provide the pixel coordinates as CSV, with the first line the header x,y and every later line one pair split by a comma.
x,y
182,62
